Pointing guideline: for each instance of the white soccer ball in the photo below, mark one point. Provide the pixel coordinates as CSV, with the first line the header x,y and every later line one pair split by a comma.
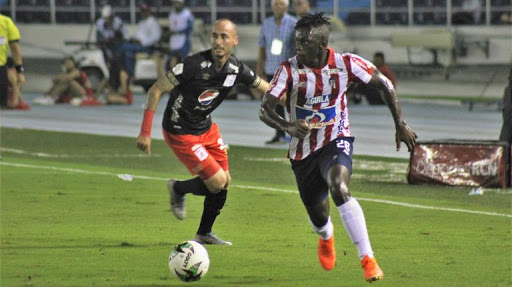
x,y
189,261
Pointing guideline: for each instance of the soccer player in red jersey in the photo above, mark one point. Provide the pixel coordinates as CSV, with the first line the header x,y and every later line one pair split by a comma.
x,y
312,87
198,85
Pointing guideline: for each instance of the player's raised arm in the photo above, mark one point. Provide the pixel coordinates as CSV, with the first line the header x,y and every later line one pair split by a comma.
x,y
387,91
162,85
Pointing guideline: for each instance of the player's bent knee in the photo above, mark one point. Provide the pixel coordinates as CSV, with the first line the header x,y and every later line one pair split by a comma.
x,y
340,193
217,182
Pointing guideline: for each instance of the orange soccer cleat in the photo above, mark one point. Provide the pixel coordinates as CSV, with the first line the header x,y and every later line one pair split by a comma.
x,y
372,271
327,253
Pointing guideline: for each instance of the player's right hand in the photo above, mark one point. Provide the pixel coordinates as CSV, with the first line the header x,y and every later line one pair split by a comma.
x,y
144,144
299,129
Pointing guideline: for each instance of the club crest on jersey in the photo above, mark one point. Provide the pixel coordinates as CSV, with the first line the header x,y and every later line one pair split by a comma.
x,y
318,100
207,97
317,118
205,64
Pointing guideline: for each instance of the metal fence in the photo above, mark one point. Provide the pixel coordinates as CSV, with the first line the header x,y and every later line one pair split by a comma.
x,y
352,12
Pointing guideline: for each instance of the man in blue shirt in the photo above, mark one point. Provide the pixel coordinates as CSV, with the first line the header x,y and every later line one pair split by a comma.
x,y
276,45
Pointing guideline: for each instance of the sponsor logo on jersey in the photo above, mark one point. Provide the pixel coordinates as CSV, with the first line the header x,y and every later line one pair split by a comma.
x,y
332,71
175,116
205,76
318,100
207,97
317,118
362,64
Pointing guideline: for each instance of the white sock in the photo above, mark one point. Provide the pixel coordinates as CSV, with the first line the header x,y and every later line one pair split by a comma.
x,y
325,231
353,219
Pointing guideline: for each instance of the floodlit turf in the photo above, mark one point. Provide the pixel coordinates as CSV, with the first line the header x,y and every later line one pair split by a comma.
x,y
67,219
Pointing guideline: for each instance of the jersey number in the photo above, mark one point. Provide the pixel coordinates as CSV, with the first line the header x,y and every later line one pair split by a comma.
x,y
344,145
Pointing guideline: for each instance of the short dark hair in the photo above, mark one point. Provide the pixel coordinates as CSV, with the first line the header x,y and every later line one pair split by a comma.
x,y
380,55
312,21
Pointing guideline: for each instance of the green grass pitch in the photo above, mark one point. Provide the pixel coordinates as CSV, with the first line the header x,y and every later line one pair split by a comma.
x,y
67,219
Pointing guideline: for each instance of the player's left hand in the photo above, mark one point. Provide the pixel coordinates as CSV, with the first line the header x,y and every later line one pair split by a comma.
x,y
405,134
144,144
299,129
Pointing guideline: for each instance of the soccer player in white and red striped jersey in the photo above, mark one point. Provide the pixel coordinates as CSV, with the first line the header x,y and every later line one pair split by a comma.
x,y
312,87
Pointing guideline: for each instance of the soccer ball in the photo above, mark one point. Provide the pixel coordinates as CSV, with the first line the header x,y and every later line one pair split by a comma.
x,y
189,261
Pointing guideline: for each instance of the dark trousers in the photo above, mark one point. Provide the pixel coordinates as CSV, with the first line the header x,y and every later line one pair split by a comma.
x,y
506,128
4,87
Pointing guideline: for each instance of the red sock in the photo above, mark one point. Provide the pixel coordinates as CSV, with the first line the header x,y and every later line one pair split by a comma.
x,y
89,93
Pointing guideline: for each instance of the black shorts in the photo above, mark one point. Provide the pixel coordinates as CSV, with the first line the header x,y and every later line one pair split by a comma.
x,y
311,172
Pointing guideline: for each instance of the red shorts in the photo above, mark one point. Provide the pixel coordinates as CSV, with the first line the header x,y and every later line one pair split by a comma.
x,y
203,154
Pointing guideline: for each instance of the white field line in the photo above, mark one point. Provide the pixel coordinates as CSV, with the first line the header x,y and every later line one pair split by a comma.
x,y
394,171
411,205
49,155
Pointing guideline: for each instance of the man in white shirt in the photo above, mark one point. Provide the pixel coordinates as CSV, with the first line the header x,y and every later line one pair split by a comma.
x,y
110,35
148,34
181,26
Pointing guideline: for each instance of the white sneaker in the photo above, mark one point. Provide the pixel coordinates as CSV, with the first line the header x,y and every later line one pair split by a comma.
x,y
177,201
43,100
210,238
76,101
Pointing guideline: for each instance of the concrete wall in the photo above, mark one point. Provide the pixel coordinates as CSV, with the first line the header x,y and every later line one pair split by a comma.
x,y
47,41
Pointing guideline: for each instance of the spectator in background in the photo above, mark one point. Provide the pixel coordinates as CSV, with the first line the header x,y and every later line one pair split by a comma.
x,y
70,87
357,91
15,100
110,34
301,7
181,26
276,44
470,14
147,35
506,18
506,128
380,63
9,39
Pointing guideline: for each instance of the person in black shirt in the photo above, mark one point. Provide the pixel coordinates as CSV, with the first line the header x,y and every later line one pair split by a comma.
x,y
198,86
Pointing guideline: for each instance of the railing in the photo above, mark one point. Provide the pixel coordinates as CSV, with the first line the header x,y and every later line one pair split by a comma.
x,y
352,12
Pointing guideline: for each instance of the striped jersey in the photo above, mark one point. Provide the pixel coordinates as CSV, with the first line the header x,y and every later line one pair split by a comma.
x,y
318,96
